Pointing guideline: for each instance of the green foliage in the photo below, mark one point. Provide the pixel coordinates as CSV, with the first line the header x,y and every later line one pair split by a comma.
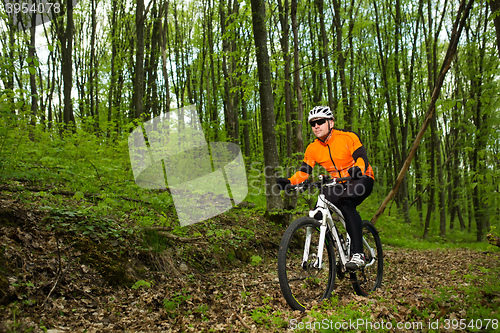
x,y
495,233
89,225
255,260
142,284
267,318
172,304
349,318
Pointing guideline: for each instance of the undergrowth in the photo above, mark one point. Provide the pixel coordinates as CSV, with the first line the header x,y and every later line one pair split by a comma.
x,y
97,173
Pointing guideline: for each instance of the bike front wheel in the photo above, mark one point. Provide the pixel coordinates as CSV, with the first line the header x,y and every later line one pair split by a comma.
x,y
369,278
302,282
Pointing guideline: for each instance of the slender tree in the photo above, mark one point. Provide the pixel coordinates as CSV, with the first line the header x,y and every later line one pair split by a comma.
x,y
66,39
285,48
325,53
296,79
32,69
138,94
346,108
271,158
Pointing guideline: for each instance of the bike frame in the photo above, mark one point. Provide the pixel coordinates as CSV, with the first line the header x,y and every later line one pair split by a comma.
x,y
323,206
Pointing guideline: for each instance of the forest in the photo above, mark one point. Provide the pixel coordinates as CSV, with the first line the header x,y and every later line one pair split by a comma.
x,y
416,80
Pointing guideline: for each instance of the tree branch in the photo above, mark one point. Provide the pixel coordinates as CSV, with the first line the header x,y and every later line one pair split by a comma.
x,y
452,48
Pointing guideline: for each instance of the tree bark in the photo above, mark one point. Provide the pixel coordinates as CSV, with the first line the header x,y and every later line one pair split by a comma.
x,y
393,142
32,70
67,66
112,76
93,75
480,120
296,79
271,158
227,70
341,66
325,56
285,47
139,61
163,33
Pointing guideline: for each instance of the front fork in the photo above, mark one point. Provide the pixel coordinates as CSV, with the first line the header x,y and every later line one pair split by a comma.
x,y
318,263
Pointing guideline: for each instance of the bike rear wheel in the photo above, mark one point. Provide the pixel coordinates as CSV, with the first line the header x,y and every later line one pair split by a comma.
x,y
369,278
302,284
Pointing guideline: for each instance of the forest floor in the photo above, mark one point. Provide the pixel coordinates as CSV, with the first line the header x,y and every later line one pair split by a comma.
x,y
62,279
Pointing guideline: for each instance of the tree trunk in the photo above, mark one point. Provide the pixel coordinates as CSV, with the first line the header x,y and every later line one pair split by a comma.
x,y
32,69
163,33
139,61
440,181
285,47
151,67
432,177
325,55
271,158
229,112
8,77
317,80
341,66
296,80
93,79
403,118
479,166
112,77
393,138
212,93
66,40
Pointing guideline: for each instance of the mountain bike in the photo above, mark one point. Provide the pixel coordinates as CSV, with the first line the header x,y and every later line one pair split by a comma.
x,y
313,252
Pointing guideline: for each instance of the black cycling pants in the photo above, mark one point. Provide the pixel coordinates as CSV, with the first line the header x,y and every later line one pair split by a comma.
x,y
346,197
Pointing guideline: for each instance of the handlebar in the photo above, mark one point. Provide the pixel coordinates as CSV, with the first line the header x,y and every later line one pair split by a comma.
x,y
329,182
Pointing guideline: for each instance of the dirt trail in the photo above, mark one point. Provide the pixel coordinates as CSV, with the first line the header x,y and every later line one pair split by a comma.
x,y
45,286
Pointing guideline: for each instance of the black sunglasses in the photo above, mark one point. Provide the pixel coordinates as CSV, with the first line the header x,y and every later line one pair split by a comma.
x,y
317,122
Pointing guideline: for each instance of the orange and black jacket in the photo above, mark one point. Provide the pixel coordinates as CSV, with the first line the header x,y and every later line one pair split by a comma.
x,y
341,151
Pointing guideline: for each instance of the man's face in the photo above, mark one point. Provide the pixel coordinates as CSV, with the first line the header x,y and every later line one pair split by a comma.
x,y
320,126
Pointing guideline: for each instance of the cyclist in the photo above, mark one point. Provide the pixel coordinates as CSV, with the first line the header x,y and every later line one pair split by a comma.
x,y
342,154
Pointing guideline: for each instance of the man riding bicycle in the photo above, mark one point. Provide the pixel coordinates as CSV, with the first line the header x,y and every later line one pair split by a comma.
x,y
342,154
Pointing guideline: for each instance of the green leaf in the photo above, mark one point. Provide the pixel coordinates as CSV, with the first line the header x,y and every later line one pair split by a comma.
x,y
141,283
255,260
79,195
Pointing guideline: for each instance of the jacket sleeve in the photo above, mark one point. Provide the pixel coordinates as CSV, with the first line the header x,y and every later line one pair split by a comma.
x,y
302,174
305,169
361,159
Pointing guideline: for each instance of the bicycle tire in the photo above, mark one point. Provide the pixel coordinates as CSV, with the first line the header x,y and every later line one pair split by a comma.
x,y
302,287
369,278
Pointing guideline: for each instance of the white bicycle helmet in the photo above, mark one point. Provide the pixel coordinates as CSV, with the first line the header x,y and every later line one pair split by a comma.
x,y
320,112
